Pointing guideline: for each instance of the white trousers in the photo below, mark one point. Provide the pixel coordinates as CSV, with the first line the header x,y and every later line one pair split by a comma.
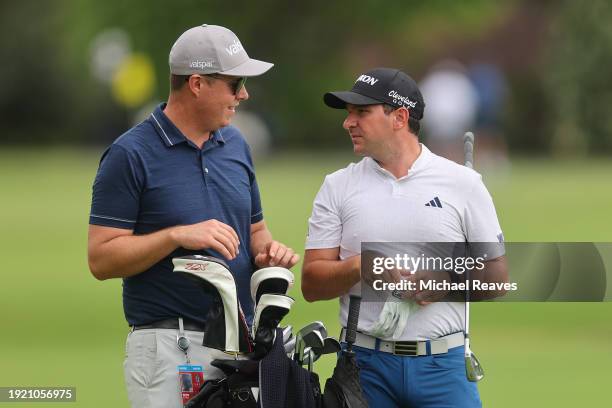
x,y
150,366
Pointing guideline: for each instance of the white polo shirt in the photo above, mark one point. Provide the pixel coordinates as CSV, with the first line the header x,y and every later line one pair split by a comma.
x,y
437,201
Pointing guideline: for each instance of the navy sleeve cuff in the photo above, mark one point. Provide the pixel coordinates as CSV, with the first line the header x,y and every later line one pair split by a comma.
x,y
106,221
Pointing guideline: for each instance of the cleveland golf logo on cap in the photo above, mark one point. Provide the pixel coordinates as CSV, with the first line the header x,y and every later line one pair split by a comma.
x,y
370,80
403,100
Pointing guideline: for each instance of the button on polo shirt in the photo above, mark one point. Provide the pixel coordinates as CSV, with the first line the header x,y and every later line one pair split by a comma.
x,y
153,177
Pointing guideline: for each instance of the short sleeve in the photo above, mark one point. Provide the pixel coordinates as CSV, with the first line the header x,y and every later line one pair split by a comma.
x,y
481,223
256,210
325,224
116,189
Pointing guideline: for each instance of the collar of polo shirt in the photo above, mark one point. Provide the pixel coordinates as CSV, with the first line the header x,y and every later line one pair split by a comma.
x,y
419,164
170,134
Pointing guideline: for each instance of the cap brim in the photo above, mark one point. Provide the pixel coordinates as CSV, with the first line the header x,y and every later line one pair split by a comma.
x,y
250,68
338,100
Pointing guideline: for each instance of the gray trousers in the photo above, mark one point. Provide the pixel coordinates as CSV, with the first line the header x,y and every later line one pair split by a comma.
x,y
150,366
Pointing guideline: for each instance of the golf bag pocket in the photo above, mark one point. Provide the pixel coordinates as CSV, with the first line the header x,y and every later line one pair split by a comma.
x,y
233,392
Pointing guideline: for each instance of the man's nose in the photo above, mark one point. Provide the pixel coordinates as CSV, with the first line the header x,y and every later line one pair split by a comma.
x,y
349,122
243,95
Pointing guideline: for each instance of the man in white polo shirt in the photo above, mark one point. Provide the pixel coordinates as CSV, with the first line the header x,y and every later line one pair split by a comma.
x,y
399,192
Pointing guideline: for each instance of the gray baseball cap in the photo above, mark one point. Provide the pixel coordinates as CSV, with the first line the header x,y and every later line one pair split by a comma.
x,y
212,49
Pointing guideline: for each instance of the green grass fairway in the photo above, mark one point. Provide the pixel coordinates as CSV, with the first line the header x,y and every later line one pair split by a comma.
x,y
61,327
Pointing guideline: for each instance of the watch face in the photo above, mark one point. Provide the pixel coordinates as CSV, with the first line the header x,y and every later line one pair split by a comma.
x,y
183,343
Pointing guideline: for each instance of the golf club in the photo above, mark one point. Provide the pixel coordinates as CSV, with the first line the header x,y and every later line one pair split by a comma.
x,y
287,333
312,339
300,345
330,345
351,322
473,370
306,358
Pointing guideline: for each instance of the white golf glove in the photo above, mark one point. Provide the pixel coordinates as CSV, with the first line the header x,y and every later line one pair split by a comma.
x,y
393,317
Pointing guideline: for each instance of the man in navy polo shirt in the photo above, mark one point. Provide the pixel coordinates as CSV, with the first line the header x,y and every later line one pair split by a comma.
x,y
181,182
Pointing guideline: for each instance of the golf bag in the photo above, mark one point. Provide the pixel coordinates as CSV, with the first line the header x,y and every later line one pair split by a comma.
x,y
281,382
236,390
247,381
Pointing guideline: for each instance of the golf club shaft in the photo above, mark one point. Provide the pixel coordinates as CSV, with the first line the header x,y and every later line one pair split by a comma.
x,y
468,150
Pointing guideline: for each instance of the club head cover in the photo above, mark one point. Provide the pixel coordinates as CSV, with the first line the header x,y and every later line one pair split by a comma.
x,y
226,327
269,312
273,280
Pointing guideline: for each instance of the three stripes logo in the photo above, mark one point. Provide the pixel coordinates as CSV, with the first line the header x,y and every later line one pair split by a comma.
x,y
434,203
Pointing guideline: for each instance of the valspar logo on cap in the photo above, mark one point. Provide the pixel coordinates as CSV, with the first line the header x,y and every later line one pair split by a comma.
x,y
234,48
403,100
199,64
370,80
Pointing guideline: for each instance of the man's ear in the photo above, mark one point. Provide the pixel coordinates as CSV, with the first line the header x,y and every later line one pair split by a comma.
x,y
195,84
400,118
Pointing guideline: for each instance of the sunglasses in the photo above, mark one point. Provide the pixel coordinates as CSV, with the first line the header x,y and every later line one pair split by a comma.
x,y
235,84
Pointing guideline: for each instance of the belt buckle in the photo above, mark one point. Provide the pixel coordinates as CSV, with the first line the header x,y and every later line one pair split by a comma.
x,y
405,348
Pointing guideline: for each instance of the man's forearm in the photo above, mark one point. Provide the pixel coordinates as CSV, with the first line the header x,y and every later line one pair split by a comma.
x,y
327,279
494,272
128,255
259,239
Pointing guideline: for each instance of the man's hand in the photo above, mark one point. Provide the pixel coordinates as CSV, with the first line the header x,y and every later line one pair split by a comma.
x,y
211,234
276,254
421,296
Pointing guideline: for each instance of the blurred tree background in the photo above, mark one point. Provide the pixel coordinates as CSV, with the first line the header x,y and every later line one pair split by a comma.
x,y
83,71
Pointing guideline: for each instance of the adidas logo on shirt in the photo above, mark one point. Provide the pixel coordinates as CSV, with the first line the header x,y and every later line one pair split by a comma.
x,y
434,203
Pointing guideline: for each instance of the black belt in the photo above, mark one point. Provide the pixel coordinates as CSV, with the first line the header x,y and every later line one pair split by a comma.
x,y
188,324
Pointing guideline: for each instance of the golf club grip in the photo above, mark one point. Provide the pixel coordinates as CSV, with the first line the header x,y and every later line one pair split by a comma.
x,y
353,318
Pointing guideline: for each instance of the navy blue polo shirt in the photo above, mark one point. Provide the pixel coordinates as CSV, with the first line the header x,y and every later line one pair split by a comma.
x,y
152,177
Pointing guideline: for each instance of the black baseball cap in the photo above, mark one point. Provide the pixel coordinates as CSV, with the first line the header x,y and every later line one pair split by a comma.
x,y
381,85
